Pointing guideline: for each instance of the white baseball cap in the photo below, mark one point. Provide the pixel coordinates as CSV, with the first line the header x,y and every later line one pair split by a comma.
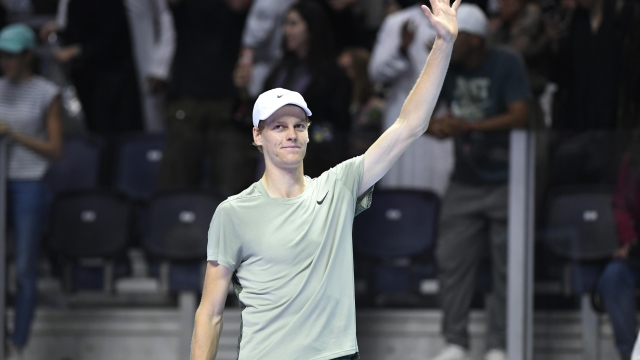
x,y
270,101
472,20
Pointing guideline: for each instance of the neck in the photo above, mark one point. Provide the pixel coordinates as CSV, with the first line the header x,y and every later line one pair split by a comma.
x,y
283,183
475,59
21,76
302,52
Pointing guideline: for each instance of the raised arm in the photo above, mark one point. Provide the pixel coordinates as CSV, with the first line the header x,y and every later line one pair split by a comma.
x,y
417,109
208,322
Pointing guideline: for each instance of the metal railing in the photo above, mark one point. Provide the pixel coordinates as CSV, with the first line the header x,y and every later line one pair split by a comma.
x,y
3,231
520,252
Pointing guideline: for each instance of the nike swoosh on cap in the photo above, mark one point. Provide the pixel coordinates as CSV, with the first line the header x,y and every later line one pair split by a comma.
x,y
279,96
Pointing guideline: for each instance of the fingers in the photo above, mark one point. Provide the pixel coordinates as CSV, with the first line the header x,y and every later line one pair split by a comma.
x,y
456,4
427,12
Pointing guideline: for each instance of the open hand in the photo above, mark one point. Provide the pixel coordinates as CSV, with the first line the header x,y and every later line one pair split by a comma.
x,y
443,18
4,129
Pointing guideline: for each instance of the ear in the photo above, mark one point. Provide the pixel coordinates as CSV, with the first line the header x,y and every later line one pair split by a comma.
x,y
257,136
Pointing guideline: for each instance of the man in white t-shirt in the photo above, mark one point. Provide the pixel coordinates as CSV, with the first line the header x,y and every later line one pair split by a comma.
x,y
285,241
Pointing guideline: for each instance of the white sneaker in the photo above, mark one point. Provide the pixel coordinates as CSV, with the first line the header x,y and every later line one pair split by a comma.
x,y
452,352
495,354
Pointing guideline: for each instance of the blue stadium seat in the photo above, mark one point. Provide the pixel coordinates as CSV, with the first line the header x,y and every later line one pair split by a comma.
x,y
175,237
579,226
138,163
79,169
90,230
399,227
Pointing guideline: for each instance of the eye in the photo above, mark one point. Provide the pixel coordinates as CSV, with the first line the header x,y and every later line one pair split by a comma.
x,y
301,126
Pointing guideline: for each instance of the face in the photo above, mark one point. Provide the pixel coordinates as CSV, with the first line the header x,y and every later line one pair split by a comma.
x,y
284,138
461,47
295,32
14,65
465,45
345,61
509,9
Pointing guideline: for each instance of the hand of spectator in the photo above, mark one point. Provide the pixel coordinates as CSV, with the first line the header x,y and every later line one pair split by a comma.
x,y
4,129
406,36
443,19
48,29
622,253
156,85
452,126
67,53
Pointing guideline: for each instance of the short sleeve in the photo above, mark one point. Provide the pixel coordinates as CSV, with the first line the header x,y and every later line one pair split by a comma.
x,y
350,173
224,245
517,83
49,92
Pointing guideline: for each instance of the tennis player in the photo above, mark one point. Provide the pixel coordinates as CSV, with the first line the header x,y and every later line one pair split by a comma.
x,y
285,242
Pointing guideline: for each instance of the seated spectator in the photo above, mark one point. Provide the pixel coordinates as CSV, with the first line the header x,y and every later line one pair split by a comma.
x,y
621,278
309,67
30,120
487,94
202,99
366,108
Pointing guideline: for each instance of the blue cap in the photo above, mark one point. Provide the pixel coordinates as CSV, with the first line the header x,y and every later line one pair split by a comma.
x,y
16,38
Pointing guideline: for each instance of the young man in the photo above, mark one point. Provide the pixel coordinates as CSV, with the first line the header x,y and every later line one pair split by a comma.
x,y
286,240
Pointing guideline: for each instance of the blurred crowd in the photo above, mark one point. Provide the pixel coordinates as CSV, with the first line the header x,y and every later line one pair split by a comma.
x,y
190,71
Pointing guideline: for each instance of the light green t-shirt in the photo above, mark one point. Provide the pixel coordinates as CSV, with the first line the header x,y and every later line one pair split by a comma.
x,y
293,263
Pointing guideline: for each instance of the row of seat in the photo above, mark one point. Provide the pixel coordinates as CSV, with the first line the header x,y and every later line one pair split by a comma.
x,y
137,159
398,233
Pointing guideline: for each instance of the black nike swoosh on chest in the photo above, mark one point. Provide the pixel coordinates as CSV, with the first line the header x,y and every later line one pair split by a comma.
x,y
325,196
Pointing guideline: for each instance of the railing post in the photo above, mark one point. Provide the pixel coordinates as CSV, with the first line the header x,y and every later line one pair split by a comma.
x,y
521,235
3,232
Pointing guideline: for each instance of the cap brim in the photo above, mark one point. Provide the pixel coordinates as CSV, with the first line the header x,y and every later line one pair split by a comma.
x,y
306,111
10,47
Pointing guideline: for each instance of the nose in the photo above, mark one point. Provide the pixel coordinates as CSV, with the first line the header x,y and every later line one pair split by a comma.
x,y
292,135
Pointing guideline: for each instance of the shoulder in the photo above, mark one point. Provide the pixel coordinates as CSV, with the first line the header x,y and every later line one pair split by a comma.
x,y
45,86
248,194
505,54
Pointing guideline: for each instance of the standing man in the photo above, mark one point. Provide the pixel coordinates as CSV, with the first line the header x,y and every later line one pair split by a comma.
x,y
487,93
286,240
401,49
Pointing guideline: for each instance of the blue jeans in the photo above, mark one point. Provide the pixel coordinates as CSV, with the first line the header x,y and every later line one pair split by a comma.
x,y
26,209
617,286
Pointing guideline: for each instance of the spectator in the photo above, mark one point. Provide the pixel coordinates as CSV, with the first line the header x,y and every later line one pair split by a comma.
x,y
587,71
366,107
30,119
487,93
400,50
620,279
202,99
154,45
97,47
308,67
261,48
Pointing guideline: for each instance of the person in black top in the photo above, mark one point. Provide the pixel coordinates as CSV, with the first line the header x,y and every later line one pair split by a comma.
x,y
309,67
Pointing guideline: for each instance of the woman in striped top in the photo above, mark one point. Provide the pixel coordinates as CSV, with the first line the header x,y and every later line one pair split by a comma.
x,y
30,122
